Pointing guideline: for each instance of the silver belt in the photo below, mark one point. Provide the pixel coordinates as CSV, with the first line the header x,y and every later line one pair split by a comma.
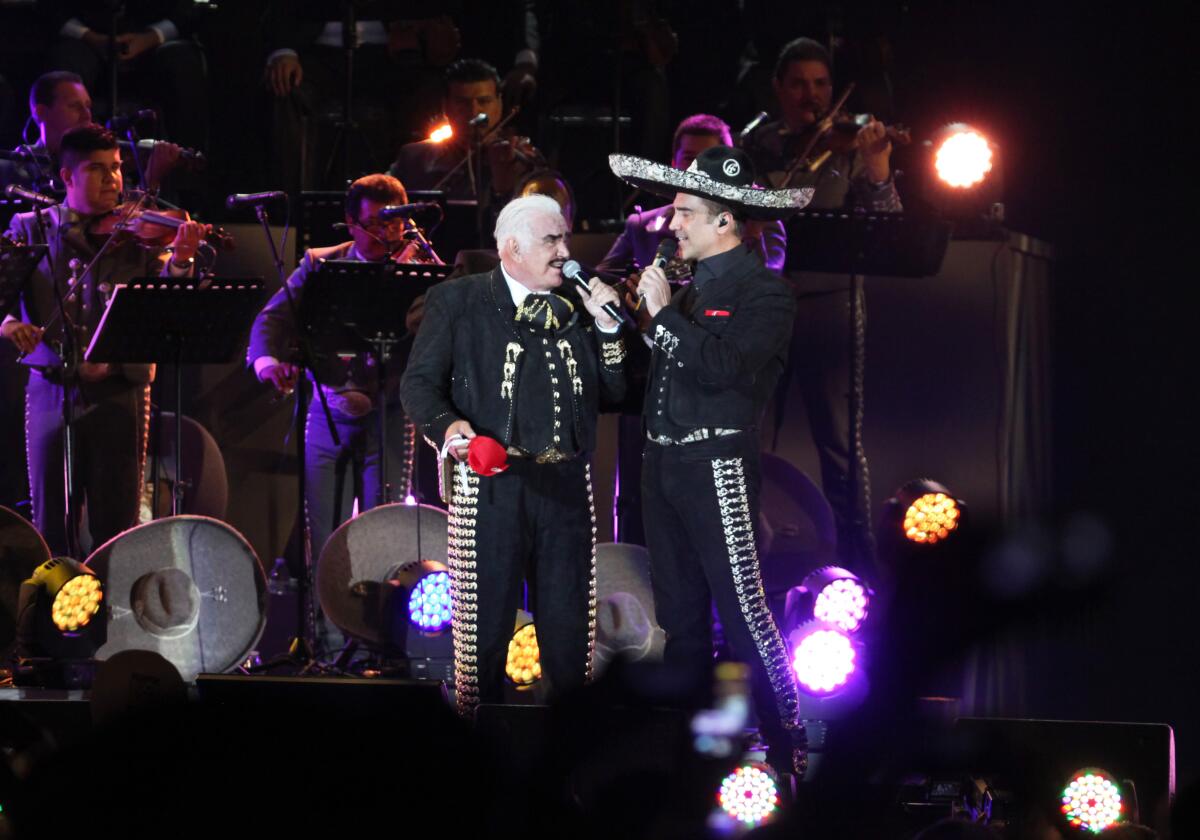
x,y
553,455
691,437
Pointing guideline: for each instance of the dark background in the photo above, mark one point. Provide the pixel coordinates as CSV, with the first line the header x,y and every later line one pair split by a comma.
x,y
1090,104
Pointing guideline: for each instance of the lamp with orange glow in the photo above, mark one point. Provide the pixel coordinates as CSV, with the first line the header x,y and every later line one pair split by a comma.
x,y
441,133
927,512
964,179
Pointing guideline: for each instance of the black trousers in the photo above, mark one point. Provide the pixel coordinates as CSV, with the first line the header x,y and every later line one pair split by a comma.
x,y
111,422
337,474
533,522
700,506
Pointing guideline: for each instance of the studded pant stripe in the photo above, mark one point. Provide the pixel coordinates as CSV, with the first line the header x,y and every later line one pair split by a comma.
x,y
464,585
729,479
592,588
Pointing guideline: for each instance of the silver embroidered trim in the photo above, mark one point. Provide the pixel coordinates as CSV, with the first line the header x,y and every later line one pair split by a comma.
x,y
666,340
568,357
612,353
665,180
512,352
589,674
464,585
692,436
729,480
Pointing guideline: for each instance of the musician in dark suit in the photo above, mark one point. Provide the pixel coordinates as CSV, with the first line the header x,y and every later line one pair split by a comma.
x,y
110,402
635,249
719,346
338,473
860,179
503,356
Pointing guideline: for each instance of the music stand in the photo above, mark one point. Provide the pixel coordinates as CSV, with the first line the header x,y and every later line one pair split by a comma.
x,y
17,263
177,321
352,307
857,243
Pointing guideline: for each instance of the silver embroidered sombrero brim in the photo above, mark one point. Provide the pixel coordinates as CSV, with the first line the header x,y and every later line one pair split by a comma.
x,y
664,180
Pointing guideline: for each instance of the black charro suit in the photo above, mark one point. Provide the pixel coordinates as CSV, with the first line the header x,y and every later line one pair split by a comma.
x,y
719,348
536,391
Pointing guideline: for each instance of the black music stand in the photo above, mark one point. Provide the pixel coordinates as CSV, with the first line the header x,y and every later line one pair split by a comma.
x,y
857,243
17,263
177,321
351,307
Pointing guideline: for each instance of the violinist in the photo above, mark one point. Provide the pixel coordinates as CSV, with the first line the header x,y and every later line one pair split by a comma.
x,y
336,473
472,88
109,402
858,173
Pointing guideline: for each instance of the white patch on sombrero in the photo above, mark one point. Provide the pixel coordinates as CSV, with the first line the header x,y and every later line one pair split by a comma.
x,y
731,167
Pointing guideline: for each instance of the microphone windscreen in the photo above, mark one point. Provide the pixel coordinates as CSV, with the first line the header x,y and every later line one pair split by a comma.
x,y
666,250
486,456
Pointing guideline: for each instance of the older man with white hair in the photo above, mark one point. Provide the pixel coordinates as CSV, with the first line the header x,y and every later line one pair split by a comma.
x,y
506,378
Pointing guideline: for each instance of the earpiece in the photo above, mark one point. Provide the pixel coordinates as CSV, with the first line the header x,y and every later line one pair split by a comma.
x,y
723,221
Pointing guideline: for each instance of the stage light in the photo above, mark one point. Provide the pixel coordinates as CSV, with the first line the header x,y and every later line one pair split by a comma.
x,y
823,658
930,514
523,665
749,794
77,603
963,157
74,592
931,518
1092,801
441,133
839,597
429,602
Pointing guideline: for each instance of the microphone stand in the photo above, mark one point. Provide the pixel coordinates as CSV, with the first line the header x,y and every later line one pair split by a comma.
x,y
302,645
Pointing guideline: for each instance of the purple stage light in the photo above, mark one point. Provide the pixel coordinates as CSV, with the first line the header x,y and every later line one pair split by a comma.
x,y
429,603
823,659
842,603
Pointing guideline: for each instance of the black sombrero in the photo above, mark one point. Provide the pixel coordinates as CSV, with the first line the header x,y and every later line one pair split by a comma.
x,y
722,174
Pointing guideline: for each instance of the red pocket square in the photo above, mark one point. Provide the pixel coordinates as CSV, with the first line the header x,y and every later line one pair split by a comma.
x,y
716,313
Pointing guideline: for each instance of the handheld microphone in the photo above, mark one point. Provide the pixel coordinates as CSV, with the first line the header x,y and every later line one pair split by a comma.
x,y
666,249
254,199
574,272
405,210
749,128
146,145
14,191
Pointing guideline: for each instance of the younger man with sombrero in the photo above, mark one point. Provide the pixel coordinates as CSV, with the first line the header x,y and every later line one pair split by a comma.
x,y
719,347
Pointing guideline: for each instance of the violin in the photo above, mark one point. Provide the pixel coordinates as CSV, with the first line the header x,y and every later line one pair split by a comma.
x,y
835,133
152,228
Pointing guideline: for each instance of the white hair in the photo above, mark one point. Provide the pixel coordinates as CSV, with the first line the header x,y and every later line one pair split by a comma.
x,y
514,220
